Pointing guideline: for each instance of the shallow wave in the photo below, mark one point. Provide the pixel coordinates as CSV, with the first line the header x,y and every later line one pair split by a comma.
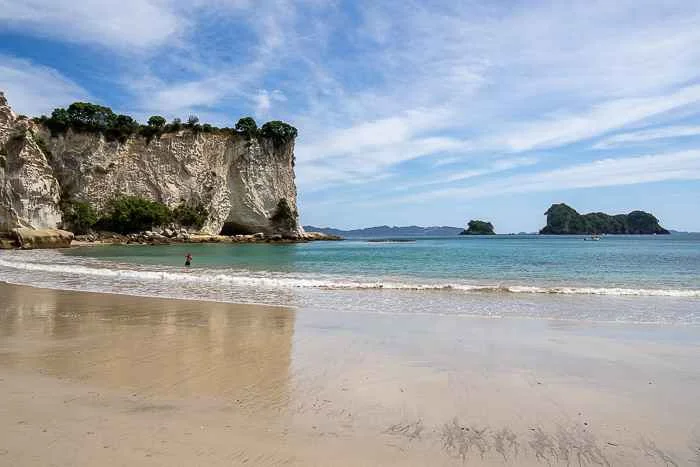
x,y
277,280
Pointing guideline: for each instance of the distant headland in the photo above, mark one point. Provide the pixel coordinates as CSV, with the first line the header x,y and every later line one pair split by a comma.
x,y
387,231
565,220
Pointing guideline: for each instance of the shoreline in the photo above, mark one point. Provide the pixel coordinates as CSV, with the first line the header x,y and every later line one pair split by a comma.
x,y
193,382
184,381
57,239
515,318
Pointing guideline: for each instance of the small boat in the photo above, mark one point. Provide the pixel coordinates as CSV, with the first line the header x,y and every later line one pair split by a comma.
x,y
592,238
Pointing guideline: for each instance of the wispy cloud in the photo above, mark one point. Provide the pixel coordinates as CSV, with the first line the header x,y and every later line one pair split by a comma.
x,y
33,89
683,165
125,25
643,136
560,129
265,99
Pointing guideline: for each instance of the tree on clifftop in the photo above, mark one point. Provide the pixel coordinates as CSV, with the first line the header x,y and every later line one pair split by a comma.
x,y
247,126
279,131
156,121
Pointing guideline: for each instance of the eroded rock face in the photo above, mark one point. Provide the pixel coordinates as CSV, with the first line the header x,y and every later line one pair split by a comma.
x,y
238,180
29,191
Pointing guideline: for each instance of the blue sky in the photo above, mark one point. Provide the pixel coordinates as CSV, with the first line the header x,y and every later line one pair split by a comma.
x,y
408,112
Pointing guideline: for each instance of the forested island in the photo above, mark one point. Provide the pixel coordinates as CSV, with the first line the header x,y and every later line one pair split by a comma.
x,y
477,227
565,220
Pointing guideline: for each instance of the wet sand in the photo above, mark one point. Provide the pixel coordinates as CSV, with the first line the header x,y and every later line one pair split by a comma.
x,y
95,379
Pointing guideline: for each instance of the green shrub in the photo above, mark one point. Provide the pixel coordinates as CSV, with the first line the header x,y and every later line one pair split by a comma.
x,y
188,215
129,214
78,217
156,121
279,131
149,131
192,120
284,218
176,125
247,126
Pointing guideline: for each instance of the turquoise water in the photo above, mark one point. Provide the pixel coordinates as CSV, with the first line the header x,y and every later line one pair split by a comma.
x,y
639,279
634,262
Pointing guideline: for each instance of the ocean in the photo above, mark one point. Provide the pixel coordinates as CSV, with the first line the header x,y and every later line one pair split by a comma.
x,y
640,279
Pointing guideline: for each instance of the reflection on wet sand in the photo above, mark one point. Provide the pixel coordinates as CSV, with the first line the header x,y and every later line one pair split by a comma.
x,y
170,348
92,379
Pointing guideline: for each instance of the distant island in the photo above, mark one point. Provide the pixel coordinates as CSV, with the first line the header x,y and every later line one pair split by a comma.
x,y
565,220
389,232
476,227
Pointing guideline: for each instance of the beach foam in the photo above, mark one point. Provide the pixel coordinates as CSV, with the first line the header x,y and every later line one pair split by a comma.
x,y
244,278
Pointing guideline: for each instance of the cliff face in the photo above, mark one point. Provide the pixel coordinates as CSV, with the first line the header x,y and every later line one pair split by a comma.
x,y
564,220
239,181
29,192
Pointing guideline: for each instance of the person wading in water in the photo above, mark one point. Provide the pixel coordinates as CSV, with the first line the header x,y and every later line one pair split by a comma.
x,y
188,259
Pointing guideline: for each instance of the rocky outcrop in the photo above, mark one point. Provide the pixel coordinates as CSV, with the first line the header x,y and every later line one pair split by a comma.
x,y
29,239
29,191
239,180
476,227
564,220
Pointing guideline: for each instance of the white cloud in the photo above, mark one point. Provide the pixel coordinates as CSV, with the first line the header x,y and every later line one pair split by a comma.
x,y
264,101
643,136
374,136
501,165
364,153
682,165
516,78
558,130
126,25
34,89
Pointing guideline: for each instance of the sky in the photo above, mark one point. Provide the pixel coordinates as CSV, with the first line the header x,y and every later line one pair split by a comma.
x,y
427,113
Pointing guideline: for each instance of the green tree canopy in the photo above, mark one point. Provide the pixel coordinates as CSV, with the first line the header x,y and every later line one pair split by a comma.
x,y
129,214
247,126
279,131
79,217
156,121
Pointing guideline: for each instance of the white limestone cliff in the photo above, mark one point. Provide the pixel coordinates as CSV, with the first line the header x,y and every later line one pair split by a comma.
x,y
29,192
238,180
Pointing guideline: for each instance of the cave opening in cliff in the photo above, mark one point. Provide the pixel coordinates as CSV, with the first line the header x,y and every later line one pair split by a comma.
x,y
233,228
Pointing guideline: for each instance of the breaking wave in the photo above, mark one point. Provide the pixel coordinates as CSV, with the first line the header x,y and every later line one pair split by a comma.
x,y
290,281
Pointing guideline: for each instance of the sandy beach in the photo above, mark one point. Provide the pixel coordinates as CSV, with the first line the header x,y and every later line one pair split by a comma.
x,y
96,379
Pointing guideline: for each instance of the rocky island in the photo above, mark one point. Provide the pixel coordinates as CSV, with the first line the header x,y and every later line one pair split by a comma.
x,y
477,227
564,220
86,169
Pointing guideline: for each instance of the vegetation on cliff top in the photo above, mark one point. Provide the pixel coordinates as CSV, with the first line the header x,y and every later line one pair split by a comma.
x,y
130,214
93,118
563,220
477,227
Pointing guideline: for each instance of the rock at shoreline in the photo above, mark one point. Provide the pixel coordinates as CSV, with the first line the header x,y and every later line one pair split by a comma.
x,y
182,236
29,239
564,220
477,227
